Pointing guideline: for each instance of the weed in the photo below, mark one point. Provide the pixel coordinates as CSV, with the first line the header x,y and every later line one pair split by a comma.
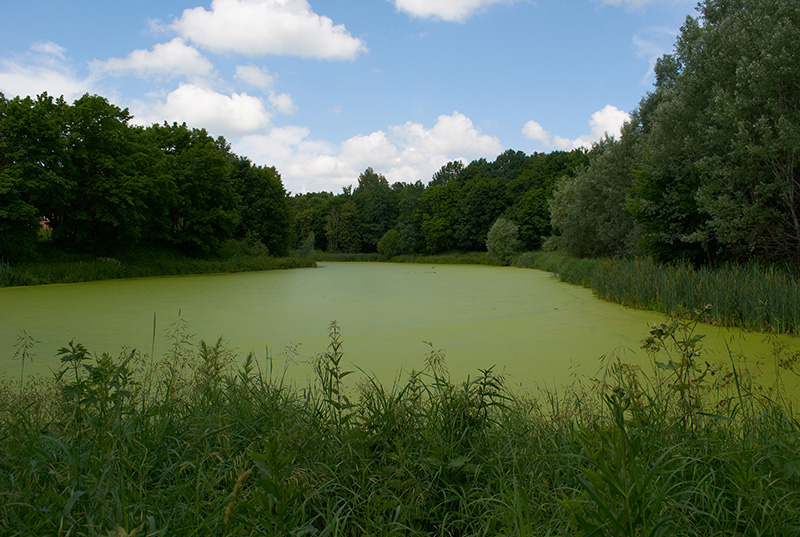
x,y
23,350
201,443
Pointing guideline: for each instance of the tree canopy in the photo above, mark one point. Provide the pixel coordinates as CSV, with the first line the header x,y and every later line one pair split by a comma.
x,y
100,184
709,166
707,169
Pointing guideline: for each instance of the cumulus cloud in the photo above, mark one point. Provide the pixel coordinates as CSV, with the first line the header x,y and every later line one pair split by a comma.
x,y
45,68
175,58
533,131
282,103
232,115
407,152
609,121
445,10
255,76
261,78
259,27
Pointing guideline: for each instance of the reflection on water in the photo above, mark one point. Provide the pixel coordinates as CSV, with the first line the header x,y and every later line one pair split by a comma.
x,y
530,327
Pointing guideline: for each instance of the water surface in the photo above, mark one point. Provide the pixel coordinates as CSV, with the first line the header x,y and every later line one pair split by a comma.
x,y
530,327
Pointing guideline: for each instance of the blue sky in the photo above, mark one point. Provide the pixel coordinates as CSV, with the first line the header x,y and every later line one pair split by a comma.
x,y
322,89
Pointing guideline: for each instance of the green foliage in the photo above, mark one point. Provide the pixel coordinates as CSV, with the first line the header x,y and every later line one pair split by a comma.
x,y
454,212
307,246
263,206
718,164
23,349
390,244
589,210
200,441
573,270
752,296
106,168
103,186
707,168
32,152
310,213
343,230
53,266
752,174
625,488
680,343
502,241
377,208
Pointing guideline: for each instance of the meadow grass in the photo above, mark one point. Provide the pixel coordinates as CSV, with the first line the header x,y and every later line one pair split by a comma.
x,y
202,443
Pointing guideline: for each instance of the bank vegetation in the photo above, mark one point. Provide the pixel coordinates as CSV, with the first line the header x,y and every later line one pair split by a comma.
x,y
200,442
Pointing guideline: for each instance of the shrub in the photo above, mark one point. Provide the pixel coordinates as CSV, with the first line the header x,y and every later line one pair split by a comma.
x,y
502,241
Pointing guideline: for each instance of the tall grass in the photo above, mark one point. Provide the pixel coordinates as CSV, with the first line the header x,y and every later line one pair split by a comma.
x,y
568,269
200,443
751,296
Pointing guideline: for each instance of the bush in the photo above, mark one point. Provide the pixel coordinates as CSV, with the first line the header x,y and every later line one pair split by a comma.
x,y
502,241
390,245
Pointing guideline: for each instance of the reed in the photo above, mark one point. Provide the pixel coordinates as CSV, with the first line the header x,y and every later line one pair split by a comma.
x,y
203,442
751,296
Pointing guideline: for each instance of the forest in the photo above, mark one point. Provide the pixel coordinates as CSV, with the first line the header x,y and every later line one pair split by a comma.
x,y
84,178
706,171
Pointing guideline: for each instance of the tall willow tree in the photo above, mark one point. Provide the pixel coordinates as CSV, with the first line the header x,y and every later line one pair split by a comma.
x,y
719,162
589,210
752,187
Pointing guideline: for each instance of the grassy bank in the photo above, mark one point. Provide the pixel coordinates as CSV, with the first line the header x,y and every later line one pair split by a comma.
x,y
52,266
194,444
755,297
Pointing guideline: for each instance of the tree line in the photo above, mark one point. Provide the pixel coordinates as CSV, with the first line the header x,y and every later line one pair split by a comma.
x,y
453,212
708,168
90,181
98,184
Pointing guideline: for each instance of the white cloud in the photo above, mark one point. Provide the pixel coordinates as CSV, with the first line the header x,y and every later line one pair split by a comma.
x,y
407,152
261,78
232,115
45,68
175,58
445,10
259,27
48,48
255,76
534,131
282,103
609,121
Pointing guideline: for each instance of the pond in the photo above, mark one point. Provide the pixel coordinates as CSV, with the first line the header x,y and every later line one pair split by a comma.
x,y
530,327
